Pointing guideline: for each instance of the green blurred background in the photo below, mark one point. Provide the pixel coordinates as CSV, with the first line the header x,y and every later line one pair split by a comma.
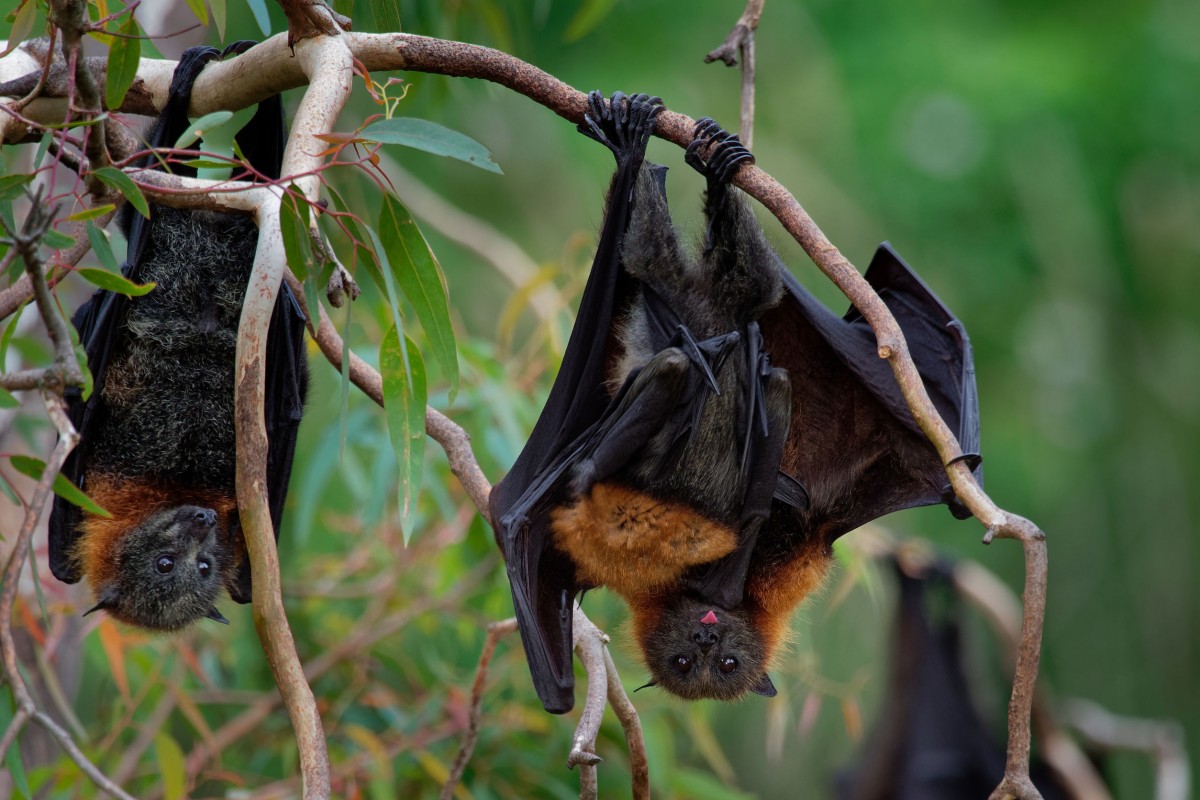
x,y
1037,163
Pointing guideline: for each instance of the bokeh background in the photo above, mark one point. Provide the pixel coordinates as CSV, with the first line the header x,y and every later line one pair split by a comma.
x,y
1037,163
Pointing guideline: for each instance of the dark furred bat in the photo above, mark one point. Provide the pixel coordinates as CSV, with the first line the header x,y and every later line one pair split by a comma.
x,y
712,430
157,433
930,742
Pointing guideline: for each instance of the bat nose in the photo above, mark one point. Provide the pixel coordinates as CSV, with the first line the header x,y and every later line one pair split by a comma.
x,y
705,638
205,517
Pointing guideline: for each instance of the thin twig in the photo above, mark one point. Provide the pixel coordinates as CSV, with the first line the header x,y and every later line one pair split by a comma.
x,y
622,706
495,631
740,44
1163,741
589,646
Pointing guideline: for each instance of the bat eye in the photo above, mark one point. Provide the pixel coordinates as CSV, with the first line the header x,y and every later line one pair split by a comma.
x,y
682,664
164,564
204,567
727,664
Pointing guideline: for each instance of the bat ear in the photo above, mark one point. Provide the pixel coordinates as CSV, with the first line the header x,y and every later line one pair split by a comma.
x,y
215,615
764,686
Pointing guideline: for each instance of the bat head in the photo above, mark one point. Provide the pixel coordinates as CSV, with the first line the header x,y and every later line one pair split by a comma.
x,y
695,650
168,570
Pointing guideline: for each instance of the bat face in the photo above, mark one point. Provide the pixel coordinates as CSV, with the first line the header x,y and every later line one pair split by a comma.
x,y
696,651
165,572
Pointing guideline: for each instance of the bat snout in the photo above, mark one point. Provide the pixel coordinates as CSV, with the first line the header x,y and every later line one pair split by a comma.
x,y
197,519
705,637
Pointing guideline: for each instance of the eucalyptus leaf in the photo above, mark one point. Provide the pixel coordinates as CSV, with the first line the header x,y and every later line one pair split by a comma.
x,y
421,134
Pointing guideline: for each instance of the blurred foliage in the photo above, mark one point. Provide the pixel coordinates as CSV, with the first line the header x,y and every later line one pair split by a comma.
x,y
1038,164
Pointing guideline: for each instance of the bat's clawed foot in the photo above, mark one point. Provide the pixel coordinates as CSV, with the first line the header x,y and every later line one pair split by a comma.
x,y
623,124
723,152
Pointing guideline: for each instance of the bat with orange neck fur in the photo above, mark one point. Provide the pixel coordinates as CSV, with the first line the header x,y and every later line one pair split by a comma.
x,y
712,430
157,447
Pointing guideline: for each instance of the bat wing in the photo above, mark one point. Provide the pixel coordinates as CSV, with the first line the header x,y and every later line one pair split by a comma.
x,y
99,322
853,443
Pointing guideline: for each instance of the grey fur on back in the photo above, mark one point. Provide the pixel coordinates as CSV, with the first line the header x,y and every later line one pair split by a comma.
x,y
169,392
734,280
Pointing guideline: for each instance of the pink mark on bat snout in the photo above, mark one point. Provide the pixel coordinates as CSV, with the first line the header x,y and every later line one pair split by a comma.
x,y
709,619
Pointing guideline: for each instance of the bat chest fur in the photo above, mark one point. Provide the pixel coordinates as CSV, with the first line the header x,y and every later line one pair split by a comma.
x,y
169,389
634,543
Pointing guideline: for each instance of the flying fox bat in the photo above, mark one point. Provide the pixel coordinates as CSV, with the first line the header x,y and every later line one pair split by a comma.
x,y
712,430
930,743
157,433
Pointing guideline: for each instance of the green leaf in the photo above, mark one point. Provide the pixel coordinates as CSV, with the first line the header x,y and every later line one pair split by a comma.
x,y
590,14
33,467
123,57
197,129
387,15
103,249
22,25
421,278
114,282
91,213
259,9
205,163
404,407
57,240
219,13
12,759
82,360
389,281
424,135
6,337
297,246
114,178
170,766
7,400
220,141
197,7
12,186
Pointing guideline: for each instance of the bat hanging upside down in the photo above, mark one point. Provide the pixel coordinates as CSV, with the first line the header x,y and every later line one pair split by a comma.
x,y
713,429
157,446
